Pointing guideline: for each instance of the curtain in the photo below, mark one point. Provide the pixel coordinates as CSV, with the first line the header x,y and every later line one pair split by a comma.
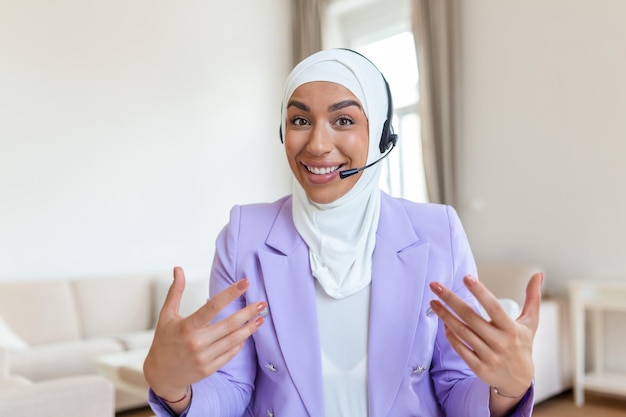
x,y
307,27
433,23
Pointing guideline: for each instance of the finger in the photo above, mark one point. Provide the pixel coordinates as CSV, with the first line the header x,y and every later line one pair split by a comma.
x,y
171,305
460,330
530,311
242,323
218,362
463,310
234,323
490,302
205,314
225,348
468,355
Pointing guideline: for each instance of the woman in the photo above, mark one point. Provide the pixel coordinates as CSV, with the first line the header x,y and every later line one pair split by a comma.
x,y
340,300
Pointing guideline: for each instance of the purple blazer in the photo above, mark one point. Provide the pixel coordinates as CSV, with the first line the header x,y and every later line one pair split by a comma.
x,y
412,370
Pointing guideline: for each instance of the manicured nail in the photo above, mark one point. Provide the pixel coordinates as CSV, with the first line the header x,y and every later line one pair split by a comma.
x,y
258,321
469,280
437,289
243,284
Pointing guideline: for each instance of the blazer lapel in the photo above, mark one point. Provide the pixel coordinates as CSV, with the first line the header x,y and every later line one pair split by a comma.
x,y
398,281
291,298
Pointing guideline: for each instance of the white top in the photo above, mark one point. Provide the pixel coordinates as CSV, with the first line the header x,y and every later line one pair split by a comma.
x,y
343,327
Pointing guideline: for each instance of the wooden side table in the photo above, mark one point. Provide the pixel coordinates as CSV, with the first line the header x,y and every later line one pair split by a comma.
x,y
595,298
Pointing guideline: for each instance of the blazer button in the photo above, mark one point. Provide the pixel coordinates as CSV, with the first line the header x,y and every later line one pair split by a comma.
x,y
271,367
270,413
429,312
418,370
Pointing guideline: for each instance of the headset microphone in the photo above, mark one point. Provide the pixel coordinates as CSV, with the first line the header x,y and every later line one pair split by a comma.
x,y
350,172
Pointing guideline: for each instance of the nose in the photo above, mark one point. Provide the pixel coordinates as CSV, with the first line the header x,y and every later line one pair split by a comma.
x,y
320,140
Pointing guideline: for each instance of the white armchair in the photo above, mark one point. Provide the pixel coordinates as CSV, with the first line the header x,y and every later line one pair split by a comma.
x,y
76,396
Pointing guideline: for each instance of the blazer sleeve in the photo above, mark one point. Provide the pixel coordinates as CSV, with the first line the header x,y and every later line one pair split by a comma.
x,y
227,392
456,386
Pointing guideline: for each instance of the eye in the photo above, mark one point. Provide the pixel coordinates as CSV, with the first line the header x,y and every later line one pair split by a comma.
x,y
344,121
299,121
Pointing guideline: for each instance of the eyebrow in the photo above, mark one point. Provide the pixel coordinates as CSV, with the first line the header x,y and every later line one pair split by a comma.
x,y
299,105
331,108
343,104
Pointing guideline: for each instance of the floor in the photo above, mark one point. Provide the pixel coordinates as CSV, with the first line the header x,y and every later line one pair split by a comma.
x,y
559,406
595,406
141,412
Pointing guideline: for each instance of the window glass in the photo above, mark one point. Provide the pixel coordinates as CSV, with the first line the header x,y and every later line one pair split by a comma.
x,y
395,57
380,30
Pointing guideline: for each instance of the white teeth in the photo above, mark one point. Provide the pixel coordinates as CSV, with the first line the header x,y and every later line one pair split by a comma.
x,y
322,171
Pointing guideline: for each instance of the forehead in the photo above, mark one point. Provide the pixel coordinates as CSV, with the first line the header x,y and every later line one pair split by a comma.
x,y
323,89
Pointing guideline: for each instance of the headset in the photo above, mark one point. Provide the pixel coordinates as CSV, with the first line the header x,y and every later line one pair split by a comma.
x,y
388,138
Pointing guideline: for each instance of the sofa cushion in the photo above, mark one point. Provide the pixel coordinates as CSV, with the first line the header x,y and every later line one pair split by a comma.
x,y
40,311
61,359
79,396
114,305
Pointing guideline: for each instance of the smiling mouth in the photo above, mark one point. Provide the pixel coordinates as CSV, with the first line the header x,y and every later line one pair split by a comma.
x,y
322,170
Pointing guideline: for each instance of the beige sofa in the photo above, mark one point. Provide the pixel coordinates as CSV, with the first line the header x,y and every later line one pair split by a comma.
x,y
65,325
61,327
75,396
551,349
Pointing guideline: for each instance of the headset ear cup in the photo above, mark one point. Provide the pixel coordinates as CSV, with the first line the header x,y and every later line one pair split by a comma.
x,y
384,138
387,137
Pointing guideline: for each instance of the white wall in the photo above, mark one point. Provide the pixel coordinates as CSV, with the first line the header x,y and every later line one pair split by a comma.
x,y
129,128
543,105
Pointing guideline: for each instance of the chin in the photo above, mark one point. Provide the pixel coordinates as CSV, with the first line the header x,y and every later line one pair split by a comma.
x,y
325,196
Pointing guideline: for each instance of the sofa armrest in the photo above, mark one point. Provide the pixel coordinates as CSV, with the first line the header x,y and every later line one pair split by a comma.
x,y
14,381
79,396
4,363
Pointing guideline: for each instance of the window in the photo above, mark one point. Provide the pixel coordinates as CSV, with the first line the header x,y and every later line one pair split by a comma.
x,y
380,30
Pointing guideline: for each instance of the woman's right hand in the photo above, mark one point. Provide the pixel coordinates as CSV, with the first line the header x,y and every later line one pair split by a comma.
x,y
187,349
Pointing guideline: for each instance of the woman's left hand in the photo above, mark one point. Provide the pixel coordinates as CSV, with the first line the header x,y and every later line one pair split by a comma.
x,y
498,351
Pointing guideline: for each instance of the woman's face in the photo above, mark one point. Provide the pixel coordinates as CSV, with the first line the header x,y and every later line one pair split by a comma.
x,y
326,132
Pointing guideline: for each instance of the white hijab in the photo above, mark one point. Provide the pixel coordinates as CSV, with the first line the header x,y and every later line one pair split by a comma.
x,y
341,235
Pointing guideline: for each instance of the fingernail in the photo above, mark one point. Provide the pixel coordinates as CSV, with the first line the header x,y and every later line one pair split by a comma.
x,y
469,280
243,284
261,306
258,321
438,289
